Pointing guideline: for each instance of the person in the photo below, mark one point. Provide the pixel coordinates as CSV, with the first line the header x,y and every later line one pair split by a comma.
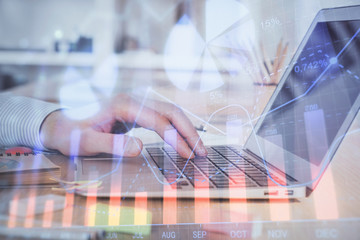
x,y
47,126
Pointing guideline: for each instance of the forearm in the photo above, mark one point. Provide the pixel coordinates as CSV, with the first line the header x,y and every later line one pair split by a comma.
x,y
21,119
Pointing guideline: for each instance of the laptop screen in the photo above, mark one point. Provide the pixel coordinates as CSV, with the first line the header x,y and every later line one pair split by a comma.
x,y
318,93
308,110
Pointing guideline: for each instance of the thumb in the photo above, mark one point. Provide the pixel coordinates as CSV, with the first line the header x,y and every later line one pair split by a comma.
x,y
117,144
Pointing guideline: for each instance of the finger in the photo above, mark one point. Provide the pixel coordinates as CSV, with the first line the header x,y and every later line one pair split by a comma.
x,y
166,131
95,142
172,137
152,120
187,131
184,126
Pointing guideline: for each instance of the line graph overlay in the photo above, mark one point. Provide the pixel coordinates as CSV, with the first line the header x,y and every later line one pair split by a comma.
x,y
287,103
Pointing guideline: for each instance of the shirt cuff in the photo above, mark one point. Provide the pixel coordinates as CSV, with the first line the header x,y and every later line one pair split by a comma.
x,y
21,119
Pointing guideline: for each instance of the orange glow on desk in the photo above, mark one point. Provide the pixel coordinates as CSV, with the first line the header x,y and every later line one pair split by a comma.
x,y
324,195
13,209
48,213
90,210
279,209
140,215
202,200
169,205
115,200
30,210
68,210
238,206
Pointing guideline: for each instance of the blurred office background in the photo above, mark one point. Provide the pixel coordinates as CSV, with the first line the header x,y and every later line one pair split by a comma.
x,y
114,45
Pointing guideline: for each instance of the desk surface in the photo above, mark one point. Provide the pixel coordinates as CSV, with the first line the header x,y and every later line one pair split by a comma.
x,y
331,211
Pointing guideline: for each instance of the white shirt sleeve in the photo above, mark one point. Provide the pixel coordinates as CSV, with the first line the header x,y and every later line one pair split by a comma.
x,y
21,119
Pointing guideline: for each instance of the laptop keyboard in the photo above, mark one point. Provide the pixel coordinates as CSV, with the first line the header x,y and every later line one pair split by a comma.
x,y
224,167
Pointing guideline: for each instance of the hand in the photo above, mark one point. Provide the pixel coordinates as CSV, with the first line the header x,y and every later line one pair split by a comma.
x,y
104,132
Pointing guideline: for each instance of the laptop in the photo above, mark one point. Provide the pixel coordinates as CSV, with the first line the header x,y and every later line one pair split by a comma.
x,y
290,147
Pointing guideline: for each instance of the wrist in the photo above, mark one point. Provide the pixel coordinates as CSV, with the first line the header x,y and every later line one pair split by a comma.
x,y
49,128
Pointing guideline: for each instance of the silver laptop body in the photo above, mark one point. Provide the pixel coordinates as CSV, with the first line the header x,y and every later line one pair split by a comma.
x,y
292,142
